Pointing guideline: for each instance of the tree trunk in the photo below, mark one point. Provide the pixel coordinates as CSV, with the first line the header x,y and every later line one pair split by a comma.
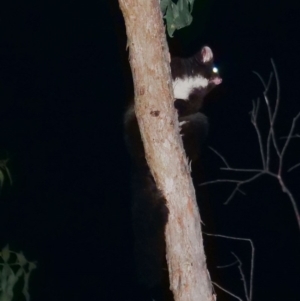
x,y
158,122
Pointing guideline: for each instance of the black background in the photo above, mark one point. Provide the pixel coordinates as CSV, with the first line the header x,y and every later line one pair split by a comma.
x,y
64,85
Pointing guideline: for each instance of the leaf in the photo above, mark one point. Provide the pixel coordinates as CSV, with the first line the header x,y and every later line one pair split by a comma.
x,y
21,259
177,15
4,297
32,266
169,20
8,175
8,278
5,273
1,178
5,253
3,279
163,5
25,287
12,279
19,272
175,10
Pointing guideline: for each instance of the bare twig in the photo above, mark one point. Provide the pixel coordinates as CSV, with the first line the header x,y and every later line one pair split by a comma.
x,y
254,114
288,139
226,291
237,188
272,120
249,295
293,167
222,158
265,146
243,276
227,265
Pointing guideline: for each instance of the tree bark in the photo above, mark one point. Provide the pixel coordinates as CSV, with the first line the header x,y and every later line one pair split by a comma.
x,y
158,122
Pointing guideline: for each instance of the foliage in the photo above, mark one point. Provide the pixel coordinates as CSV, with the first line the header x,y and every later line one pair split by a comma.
x,y
4,173
13,265
177,15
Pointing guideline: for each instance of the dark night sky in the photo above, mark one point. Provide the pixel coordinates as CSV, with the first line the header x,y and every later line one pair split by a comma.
x,y
63,90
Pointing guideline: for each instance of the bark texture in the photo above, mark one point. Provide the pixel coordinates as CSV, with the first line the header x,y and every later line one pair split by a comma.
x,y
158,122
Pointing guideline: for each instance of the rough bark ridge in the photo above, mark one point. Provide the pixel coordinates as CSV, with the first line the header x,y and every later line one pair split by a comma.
x,y
157,118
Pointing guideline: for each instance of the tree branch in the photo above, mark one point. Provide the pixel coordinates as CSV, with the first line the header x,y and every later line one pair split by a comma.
x,y
158,122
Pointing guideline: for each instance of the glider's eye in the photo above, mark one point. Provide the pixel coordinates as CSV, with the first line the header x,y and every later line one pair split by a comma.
x,y
215,70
